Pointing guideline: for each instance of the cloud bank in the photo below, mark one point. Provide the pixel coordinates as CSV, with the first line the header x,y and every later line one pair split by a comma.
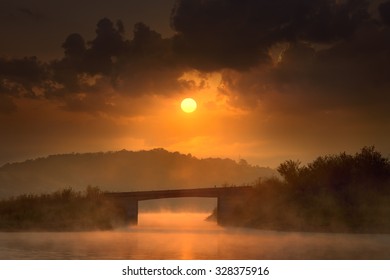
x,y
335,50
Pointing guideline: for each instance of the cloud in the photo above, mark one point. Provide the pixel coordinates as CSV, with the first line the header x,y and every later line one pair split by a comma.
x,y
31,14
349,75
21,77
384,11
92,73
217,34
325,53
331,71
112,64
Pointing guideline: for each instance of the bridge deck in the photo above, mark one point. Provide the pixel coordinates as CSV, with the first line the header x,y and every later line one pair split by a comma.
x,y
200,192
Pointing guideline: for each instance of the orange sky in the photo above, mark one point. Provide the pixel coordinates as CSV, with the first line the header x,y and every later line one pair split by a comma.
x,y
260,97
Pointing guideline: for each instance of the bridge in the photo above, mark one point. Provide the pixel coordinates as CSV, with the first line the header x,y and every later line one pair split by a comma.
x,y
229,199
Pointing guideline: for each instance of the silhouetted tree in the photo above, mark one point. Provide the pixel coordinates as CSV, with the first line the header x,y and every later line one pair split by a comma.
x,y
290,170
334,192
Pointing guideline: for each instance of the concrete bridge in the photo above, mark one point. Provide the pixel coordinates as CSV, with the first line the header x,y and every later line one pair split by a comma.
x,y
229,199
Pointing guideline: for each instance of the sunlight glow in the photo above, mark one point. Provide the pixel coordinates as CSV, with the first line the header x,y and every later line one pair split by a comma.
x,y
188,105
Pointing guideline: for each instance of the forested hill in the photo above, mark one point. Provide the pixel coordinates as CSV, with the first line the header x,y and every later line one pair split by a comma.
x,y
124,171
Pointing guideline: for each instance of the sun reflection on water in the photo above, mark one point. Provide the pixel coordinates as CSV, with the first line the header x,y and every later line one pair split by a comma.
x,y
189,236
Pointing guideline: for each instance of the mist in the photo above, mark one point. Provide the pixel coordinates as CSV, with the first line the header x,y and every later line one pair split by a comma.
x,y
188,236
178,205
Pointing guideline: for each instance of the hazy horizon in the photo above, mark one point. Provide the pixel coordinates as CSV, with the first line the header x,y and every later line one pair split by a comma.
x,y
125,171
41,156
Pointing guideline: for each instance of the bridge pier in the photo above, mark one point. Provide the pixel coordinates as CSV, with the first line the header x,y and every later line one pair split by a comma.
x,y
131,209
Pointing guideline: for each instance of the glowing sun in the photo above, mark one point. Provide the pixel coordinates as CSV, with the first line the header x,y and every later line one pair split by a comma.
x,y
188,105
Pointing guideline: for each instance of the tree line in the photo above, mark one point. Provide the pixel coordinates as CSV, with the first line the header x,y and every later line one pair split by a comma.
x,y
334,193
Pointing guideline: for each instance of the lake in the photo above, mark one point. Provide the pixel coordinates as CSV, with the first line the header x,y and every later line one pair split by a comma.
x,y
188,236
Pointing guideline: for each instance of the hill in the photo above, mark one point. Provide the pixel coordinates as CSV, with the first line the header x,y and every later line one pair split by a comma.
x,y
124,171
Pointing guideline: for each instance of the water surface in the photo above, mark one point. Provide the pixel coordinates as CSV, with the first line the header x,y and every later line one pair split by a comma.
x,y
188,236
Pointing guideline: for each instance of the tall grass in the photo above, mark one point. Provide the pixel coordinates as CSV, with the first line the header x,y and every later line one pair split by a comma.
x,y
61,210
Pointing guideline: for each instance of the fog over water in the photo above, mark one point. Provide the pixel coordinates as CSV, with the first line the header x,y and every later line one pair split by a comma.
x,y
188,236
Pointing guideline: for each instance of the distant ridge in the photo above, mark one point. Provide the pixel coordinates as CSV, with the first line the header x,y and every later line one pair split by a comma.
x,y
124,171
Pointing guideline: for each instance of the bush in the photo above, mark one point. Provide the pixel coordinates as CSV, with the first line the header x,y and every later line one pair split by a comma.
x,y
333,193
61,210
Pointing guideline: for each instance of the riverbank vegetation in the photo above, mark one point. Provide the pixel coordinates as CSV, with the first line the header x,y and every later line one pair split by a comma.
x,y
61,210
335,193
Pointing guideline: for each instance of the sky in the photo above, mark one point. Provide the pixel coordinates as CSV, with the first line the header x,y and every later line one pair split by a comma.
x,y
273,80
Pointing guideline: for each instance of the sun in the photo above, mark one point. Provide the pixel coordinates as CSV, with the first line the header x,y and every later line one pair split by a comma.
x,y
188,105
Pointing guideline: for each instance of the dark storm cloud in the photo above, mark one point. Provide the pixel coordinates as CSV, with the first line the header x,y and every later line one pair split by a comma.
x,y
384,11
112,55
349,67
20,76
345,70
349,75
31,14
111,63
237,34
91,72
332,54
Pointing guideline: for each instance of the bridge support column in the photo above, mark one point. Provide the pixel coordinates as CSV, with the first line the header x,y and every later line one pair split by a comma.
x,y
131,209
